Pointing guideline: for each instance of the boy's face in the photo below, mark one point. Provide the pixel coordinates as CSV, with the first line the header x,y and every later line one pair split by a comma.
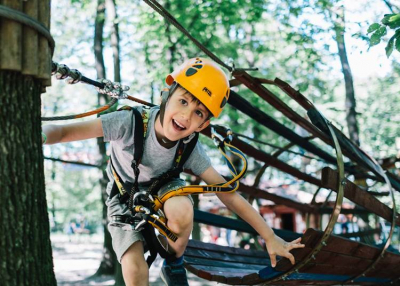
x,y
183,116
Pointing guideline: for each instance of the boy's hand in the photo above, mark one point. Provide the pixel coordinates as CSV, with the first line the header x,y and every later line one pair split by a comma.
x,y
277,246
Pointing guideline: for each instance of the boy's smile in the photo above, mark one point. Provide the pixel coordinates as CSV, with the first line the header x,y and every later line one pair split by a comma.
x,y
183,116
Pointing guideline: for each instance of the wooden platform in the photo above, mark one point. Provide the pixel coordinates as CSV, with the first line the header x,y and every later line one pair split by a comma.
x,y
340,260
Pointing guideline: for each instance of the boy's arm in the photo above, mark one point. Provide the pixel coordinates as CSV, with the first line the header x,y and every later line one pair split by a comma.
x,y
73,132
236,203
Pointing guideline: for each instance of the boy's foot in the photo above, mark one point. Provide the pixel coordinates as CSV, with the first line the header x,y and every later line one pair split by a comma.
x,y
174,275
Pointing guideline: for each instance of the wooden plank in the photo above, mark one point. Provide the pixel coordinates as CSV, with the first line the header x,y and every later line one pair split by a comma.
x,y
386,268
222,271
225,264
335,244
324,257
252,279
239,225
30,41
44,56
331,269
230,250
218,257
11,39
329,180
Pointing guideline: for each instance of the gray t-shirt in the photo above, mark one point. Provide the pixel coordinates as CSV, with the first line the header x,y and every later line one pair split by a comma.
x,y
118,128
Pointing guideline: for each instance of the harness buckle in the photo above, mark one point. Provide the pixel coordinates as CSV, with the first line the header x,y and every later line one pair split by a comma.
x,y
123,222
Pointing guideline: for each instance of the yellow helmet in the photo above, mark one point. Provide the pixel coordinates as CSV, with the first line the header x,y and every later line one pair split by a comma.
x,y
205,80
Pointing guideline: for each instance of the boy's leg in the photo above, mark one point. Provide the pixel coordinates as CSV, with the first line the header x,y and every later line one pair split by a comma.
x,y
179,213
134,266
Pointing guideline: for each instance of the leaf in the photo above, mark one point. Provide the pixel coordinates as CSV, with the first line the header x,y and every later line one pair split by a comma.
x,y
381,31
386,18
373,28
397,42
390,46
375,38
394,24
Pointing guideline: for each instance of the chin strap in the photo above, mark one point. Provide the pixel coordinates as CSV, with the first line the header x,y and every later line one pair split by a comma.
x,y
165,94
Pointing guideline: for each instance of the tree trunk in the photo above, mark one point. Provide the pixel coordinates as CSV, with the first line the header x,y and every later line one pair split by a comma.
x,y
108,261
114,39
25,248
351,115
119,280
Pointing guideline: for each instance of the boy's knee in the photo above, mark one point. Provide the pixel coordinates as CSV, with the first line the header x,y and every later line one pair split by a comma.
x,y
134,266
179,210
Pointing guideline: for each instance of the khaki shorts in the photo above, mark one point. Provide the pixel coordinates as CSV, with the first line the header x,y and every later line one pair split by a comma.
x,y
121,239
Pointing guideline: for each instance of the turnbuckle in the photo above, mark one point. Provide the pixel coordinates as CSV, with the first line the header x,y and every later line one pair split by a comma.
x,y
113,89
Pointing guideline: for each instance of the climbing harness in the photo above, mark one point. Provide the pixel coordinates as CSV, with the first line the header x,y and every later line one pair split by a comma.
x,y
146,206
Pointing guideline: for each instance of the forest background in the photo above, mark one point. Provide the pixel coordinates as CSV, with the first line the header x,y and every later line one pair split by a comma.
x,y
316,46
293,40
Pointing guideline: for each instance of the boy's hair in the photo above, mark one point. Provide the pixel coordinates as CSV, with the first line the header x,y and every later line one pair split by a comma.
x,y
198,102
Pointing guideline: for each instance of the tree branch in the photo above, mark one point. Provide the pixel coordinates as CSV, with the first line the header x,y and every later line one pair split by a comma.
x,y
74,162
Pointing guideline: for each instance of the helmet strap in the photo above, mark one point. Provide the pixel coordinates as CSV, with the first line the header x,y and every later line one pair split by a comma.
x,y
165,95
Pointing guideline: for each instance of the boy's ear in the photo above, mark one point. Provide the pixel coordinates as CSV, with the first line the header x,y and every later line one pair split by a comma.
x,y
204,125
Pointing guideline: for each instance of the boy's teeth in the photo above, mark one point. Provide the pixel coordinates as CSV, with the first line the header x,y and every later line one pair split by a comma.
x,y
176,122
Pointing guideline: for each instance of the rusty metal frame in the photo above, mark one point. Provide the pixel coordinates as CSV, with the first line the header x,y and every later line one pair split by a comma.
x,y
335,214
393,225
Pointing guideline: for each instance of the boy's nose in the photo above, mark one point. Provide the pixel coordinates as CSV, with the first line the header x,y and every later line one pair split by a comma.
x,y
185,113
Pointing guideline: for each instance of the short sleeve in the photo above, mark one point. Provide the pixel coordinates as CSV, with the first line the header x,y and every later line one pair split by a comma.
x,y
198,162
118,125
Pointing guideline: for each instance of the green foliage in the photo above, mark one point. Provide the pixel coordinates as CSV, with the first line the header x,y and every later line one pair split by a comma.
x,y
73,192
391,21
291,40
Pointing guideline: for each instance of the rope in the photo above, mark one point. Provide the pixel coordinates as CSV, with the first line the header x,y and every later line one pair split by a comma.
x,y
277,147
81,115
113,89
160,10
22,18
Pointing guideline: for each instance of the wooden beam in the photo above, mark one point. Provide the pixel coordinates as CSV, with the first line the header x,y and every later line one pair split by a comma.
x,y
355,194
258,193
256,86
269,159
264,119
239,225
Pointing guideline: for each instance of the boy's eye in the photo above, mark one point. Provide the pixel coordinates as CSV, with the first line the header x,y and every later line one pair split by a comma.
x,y
184,102
199,113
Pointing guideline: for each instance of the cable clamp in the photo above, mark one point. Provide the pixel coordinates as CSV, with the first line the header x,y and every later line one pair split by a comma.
x,y
113,89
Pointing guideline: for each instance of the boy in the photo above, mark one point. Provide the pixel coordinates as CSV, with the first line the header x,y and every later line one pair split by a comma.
x,y
199,90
